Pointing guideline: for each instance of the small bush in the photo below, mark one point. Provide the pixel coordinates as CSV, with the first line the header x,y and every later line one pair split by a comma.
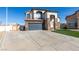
x,y
65,28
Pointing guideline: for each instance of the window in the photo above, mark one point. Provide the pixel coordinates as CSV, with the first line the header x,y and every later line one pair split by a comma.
x,y
38,15
28,15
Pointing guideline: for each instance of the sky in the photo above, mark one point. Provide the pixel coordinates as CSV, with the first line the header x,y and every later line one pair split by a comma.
x,y
17,14
2,15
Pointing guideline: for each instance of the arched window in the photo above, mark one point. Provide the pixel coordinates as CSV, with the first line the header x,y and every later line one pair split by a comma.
x,y
39,15
52,17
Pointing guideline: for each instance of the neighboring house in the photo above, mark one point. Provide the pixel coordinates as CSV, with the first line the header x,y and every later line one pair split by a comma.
x,y
2,28
5,27
15,27
73,20
11,27
40,19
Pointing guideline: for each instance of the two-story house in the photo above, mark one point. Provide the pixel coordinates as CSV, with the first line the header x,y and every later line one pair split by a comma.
x,y
40,19
73,20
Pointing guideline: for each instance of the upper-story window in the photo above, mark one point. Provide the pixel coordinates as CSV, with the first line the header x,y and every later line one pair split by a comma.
x,y
28,15
38,15
52,17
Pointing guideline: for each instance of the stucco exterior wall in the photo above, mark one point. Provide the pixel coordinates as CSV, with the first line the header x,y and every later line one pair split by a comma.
x,y
9,28
5,28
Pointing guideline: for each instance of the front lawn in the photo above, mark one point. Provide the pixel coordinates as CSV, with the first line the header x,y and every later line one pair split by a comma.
x,y
68,32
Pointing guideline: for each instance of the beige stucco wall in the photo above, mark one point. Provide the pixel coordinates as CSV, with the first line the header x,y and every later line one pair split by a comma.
x,y
5,28
9,28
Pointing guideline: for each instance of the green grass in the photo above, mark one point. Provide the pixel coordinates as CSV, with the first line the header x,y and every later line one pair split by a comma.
x,y
68,32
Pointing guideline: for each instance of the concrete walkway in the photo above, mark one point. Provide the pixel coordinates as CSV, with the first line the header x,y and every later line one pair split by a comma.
x,y
38,41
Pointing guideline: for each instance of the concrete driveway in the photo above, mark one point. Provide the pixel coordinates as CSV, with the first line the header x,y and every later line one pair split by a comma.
x,y
38,41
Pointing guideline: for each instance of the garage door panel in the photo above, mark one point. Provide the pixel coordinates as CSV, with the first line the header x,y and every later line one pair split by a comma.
x,y
35,26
